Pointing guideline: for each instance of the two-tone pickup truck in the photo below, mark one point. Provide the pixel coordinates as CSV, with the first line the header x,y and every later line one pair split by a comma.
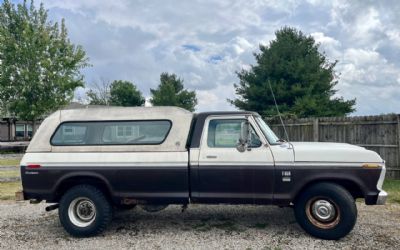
x,y
92,161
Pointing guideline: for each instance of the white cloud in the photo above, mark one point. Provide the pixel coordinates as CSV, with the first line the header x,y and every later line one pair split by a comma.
x,y
325,40
328,44
363,57
241,45
363,68
394,36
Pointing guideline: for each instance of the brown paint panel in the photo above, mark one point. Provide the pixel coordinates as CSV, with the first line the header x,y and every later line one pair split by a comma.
x,y
210,184
163,184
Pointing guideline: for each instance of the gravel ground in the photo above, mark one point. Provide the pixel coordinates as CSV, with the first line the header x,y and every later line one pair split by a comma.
x,y
25,226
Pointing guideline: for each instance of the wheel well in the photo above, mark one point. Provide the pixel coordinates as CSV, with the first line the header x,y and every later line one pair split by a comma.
x,y
352,187
70,182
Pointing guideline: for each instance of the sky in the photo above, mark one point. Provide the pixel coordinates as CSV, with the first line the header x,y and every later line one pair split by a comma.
x,y
206,42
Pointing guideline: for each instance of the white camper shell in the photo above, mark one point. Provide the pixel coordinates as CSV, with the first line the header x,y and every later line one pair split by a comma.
x,y
174,141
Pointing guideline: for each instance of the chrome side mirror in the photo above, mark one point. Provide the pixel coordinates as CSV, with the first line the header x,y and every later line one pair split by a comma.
x,y
244,137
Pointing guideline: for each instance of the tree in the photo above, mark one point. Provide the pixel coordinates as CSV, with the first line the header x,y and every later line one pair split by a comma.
x,y
124,93
171,92
99,94
40,67
301,77
117,93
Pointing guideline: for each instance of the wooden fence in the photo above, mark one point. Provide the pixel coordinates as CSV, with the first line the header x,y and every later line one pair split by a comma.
x,y
378,133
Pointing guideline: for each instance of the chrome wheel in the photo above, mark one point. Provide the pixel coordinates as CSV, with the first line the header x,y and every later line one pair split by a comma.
x,y
323,213
82,212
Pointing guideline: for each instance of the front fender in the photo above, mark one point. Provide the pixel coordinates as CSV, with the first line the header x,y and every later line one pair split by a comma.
x,y
360,182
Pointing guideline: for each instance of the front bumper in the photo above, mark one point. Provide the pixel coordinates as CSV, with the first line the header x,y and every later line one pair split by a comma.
x,y
382,196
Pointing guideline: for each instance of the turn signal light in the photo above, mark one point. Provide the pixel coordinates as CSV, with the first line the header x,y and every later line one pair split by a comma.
x,y
371,165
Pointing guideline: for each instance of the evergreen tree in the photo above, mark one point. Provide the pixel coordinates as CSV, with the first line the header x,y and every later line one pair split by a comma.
x,y
301,77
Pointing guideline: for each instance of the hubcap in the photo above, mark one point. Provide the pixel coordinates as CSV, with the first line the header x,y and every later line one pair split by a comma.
x,y
323,210
82,212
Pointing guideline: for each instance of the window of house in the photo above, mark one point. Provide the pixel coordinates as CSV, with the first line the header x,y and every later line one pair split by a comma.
x,y
126,131
29,130
111,133
20,130
225,133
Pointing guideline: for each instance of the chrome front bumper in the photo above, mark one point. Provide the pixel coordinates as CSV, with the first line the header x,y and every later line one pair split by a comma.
x,y
381,198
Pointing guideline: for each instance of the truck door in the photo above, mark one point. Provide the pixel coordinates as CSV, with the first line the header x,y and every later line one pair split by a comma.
x,y
225,175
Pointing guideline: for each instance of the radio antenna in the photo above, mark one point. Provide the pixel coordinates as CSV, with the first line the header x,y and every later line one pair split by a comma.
x,y
279,113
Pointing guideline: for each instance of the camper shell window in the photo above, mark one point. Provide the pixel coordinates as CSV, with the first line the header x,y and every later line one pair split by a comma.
x,y
147,132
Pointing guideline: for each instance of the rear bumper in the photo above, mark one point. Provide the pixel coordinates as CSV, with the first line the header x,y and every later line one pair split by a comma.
x,y
382,196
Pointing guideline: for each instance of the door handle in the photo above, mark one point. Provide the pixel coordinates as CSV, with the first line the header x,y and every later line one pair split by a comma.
x,y
211,157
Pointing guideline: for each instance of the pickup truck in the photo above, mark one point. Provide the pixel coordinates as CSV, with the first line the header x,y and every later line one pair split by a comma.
x,y
90,162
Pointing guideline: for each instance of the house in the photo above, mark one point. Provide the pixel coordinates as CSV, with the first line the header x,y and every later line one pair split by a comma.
x,y
12,129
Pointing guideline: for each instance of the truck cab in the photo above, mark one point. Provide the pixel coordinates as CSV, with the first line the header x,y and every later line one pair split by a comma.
x,y
91,162
225,171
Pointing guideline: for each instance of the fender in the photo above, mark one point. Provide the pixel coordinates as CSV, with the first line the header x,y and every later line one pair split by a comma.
x,y
82,175
359,182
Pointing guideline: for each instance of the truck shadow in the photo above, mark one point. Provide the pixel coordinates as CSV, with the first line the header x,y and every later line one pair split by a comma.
x,y
206,218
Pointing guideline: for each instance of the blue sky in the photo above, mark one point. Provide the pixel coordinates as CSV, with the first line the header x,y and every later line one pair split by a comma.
x,y
206,42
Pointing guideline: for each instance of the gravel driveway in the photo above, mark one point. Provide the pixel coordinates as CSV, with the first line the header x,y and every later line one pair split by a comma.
x,y
25,226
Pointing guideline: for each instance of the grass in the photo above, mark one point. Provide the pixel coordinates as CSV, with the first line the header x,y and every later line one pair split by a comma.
x,y
6,152
9,162
392,187
9,173
8,189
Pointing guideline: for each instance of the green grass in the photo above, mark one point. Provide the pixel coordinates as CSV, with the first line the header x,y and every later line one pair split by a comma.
x,y
8,189
6,152
392,187
9,162
9,173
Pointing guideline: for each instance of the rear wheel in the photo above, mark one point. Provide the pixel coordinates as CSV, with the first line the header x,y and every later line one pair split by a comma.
x,y
326,211
84,211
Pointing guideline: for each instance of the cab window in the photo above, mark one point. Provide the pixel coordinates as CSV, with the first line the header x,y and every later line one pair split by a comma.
x,y
225,133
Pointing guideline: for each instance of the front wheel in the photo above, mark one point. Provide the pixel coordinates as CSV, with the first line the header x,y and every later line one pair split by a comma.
x,y
84,211
326,211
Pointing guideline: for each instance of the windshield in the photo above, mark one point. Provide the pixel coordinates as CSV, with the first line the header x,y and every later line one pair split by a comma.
x,y
268,133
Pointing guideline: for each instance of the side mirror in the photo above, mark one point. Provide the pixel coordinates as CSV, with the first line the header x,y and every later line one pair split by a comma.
x,y
244,137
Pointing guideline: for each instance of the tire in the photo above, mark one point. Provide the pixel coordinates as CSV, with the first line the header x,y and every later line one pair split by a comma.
x,y
313,211
84,211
